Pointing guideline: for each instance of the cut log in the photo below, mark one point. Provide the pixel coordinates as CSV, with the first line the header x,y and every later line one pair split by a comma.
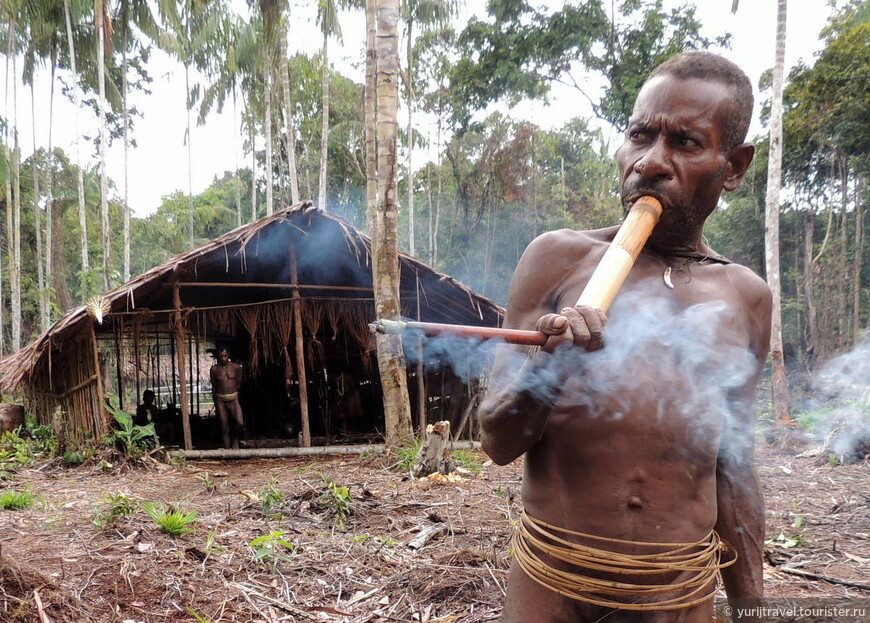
x,y
434,454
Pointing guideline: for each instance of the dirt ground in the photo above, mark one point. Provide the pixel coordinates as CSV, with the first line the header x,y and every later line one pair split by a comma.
x,y
55,565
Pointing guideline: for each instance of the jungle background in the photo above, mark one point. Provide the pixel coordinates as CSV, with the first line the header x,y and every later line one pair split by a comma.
x,y
477,182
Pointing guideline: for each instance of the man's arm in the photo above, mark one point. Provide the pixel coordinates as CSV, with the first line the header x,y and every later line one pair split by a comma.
x,y
525,384
740,519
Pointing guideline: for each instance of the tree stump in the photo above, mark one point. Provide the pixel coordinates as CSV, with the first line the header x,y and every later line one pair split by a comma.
x,y
11,417
434,455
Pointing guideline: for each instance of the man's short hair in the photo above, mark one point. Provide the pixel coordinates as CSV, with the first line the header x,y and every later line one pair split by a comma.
x,y
710,66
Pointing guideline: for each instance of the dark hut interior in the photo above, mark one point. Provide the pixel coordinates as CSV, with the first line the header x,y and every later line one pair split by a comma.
x,y
290,297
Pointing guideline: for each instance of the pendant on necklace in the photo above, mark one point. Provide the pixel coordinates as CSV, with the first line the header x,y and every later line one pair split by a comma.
x,y
666,276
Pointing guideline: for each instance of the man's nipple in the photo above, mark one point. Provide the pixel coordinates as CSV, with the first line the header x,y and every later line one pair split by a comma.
x,y
634,502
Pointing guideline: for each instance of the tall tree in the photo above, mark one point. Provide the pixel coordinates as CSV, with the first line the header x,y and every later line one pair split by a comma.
x,y
774,182
382,100
80,184
103,26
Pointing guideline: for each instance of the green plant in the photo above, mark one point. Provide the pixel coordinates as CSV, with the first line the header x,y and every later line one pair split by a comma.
x,y
337,500
114,507
271,498
208,482
13,500
134,440
405,457
271,548
466,459
197,616
171,521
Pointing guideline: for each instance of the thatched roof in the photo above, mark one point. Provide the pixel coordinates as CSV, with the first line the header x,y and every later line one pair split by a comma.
x,y
333,258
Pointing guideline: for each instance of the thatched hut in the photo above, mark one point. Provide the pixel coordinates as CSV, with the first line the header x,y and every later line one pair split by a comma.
x,y
290,296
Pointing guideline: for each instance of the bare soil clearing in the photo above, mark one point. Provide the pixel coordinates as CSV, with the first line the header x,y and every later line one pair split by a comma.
x,y
56,566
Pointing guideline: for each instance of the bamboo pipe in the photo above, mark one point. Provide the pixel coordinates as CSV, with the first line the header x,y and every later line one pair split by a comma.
x,y
599,292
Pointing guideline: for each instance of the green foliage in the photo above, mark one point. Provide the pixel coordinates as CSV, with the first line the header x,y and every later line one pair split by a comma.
x,y
113,508
271,498
405,457
271,548
133,440
466,459
24,446
10,499
337,500
171,521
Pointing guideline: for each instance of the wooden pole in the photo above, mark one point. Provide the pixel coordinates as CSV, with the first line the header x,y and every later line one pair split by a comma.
x,y
102,413
300,352
182,368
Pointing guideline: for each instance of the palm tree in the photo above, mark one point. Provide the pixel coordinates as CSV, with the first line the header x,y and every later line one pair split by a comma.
x,y
80,184
103,26
428,14
138,13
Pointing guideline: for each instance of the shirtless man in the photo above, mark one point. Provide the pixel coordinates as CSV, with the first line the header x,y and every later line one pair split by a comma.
x,y
637,426
226,379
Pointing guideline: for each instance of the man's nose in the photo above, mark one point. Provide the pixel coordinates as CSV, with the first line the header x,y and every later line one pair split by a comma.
x,y
655,164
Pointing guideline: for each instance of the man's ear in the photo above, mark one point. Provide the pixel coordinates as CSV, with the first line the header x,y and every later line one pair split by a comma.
x,y
739,159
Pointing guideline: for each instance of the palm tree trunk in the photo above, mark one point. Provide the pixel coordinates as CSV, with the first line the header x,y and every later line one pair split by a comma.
x,y
14,234
391,360
370,106
267,89
774,181
80,182
190,239
284,74
99,15
49,204
410,88
236,151
37,218
324,128
124,87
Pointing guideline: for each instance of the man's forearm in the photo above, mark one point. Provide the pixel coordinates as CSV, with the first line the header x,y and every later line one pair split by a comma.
x,y
513,418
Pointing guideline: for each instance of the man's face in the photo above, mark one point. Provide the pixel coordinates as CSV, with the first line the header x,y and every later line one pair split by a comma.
x,y
673,150
223,357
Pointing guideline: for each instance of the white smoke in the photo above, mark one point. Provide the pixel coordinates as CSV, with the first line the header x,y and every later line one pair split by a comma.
x,y
842,388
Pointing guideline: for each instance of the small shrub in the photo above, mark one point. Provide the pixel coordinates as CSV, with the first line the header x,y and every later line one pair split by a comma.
x,y
337,500
171,521
13,500
271,498
133,440
271,548
208,482
114,508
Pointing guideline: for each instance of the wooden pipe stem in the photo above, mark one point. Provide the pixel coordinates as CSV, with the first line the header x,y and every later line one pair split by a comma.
x,y
617,261
511,336
600,290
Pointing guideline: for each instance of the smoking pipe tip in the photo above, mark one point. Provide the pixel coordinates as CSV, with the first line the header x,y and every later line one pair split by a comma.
x,y
386,326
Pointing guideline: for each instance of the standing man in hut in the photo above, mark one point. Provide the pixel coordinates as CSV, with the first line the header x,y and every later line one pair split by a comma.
x,y
639,485
226,380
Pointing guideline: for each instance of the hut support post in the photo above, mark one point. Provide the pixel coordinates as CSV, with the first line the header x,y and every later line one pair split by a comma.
x,y
104,416
421,378
300,351
182,368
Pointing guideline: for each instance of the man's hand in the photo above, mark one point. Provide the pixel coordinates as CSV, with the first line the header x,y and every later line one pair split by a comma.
x,y
581,326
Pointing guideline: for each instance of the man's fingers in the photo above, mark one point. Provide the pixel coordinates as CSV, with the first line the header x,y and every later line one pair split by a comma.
x,y
552,324
587,326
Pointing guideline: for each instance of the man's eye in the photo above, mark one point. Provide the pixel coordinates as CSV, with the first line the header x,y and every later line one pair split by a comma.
x,y
638,135
685,141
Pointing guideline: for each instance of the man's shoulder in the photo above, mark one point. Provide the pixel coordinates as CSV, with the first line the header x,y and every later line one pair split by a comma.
x,y
572,239
747,281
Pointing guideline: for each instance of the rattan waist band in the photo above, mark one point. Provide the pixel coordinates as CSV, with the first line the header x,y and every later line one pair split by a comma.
x,y
227,397
698,565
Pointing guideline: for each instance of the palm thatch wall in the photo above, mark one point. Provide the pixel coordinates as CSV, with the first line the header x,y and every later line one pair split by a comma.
x,y
290,295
